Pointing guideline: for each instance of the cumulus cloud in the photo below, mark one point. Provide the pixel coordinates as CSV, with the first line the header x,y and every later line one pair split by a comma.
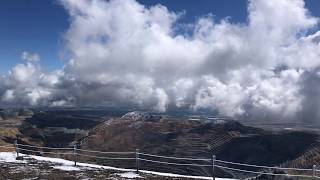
x,y
27,84
123,53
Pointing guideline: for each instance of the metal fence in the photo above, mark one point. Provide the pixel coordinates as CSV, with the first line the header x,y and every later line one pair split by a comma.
x,y
137,157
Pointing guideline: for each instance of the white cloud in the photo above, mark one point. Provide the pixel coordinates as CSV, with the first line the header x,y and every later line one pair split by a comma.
x,y
8,95
278,95
27,84
23,72
140,59
225,98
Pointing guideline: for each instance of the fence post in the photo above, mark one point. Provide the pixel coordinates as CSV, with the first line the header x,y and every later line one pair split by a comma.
x,y
314,171
137,160
16,147
213,161
75,154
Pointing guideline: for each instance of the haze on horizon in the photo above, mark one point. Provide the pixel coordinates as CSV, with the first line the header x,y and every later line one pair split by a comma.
x,y
125,53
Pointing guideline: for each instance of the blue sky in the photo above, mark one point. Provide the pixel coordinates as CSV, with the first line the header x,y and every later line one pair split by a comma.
x,y
34,26
38,25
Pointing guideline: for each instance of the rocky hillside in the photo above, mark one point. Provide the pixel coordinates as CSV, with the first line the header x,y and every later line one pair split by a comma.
x,y
228,140
162,135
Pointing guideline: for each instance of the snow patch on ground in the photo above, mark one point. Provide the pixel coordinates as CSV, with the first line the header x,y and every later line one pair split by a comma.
x,y
9,157
66,168
130,175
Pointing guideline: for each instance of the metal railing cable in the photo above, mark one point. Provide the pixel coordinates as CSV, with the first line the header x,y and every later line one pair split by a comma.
x,y
259,166
101,157
228,168
260,172
43,147
101,152
170,163
28,150
240,170
177,158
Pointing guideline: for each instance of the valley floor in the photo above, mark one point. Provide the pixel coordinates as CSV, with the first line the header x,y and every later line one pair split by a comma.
x,y
37,167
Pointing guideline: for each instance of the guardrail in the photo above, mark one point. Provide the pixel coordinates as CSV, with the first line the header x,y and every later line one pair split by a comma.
x,y
138,157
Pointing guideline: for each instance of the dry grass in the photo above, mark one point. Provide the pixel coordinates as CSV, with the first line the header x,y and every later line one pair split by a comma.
x,y
8,132
5,134
7,149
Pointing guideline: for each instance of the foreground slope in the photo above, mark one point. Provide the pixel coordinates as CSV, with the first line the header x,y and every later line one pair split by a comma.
x,y
36,167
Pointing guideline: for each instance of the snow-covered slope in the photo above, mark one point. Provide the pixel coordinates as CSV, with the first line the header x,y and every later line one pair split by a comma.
x,y
66,165
139,115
